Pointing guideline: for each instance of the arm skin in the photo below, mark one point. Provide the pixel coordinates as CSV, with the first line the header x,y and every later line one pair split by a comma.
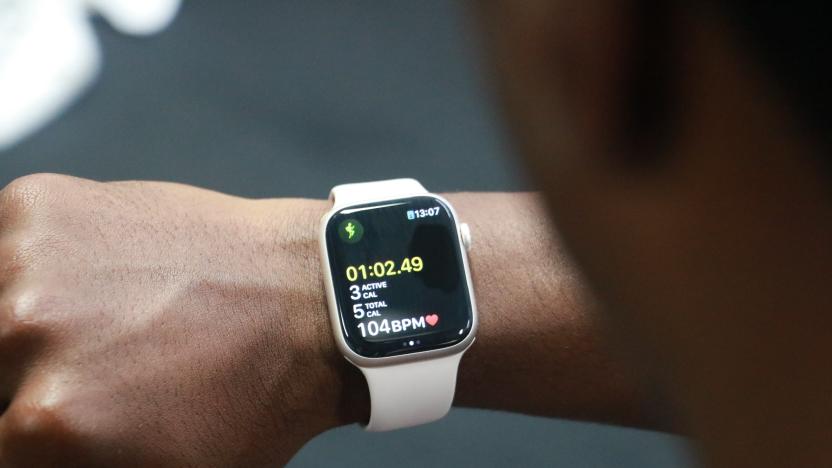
x,y
146,323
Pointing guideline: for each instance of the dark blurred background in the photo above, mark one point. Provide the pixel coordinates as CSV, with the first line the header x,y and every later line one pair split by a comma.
x,y
271,99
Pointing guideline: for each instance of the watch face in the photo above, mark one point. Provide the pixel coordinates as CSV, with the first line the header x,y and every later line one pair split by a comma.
x,y
398,276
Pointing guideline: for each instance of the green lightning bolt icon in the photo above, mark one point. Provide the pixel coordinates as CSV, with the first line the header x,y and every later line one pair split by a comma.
x,y
350,231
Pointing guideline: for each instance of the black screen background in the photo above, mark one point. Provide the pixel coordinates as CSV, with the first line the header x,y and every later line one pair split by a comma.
x,y
439,288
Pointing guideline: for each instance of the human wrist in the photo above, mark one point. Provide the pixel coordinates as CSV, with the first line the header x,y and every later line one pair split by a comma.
x,y
539,332
330,391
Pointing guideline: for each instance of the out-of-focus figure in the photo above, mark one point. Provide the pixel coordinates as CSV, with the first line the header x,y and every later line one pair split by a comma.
x,y
49,54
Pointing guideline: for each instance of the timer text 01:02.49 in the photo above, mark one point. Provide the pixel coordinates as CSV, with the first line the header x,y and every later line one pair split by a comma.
x,y
384,268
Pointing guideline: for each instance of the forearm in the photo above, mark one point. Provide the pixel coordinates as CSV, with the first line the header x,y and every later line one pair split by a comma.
x,y
540,349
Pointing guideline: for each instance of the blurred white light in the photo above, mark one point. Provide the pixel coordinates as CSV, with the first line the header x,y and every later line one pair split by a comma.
x,y
49,54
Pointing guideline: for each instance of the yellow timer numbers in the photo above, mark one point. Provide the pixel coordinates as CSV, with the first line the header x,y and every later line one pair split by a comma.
x,y
384,269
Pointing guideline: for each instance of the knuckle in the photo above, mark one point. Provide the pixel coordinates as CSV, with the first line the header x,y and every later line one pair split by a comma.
x,y
27,190
33,422
25,194
24,307
31,305
21,334
17,323
32,432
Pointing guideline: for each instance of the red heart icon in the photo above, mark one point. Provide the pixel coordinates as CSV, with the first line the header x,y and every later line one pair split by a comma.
x,y
432,319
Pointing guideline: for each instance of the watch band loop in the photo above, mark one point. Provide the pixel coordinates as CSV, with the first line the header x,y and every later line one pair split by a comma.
x,y
412,393
351,194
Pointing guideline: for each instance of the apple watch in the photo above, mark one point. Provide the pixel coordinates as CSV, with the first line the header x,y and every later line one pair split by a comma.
x,y
400,297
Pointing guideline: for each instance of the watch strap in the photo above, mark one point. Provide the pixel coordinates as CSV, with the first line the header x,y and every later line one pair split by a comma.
x,y
352,194
412,393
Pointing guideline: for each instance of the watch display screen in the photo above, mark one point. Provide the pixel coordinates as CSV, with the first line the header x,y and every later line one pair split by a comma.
x,y
398,276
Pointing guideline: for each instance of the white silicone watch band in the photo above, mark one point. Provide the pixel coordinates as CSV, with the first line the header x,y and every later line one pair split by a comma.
x,y
351,194
411,393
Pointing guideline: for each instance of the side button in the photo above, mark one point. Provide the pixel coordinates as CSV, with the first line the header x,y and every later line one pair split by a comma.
x,y
465,233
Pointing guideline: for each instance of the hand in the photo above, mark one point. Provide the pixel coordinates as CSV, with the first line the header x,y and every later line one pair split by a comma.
x,y
148,323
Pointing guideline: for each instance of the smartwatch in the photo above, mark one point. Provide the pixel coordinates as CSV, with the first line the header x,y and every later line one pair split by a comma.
x,y
400,298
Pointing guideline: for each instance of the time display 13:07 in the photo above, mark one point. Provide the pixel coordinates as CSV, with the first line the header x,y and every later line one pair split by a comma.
x,y
384,268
